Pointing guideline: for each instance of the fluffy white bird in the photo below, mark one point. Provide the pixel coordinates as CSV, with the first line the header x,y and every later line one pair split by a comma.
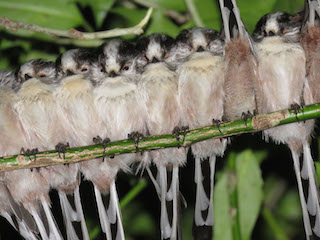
x,y
118,104
198,54
158,87
282,84
35,109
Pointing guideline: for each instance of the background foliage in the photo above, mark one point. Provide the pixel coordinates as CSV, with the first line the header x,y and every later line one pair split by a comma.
x,y
255,193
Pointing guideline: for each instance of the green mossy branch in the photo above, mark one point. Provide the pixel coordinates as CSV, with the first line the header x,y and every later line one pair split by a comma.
x,y
72,155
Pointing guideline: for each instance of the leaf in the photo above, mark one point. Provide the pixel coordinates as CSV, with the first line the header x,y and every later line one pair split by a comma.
x,y
252,11
161,24
58,14
290,6
221,210
100,9
249,191
209,13
126,17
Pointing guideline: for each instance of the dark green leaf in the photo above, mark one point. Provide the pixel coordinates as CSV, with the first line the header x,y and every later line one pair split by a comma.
x,y
209,12
100,9
252,11
161,24
290,6
222,217
249,191
58,14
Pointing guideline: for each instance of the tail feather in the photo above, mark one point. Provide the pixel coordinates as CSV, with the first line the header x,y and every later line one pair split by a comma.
x,y
313,194
154,181
54,230
104,221
202,201
25,232
212,162
69,215
77,201
306,219
40,225
114,198
164,220
175,191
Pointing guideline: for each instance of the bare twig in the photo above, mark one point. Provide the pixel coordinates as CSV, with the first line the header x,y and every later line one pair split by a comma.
x,y
75,34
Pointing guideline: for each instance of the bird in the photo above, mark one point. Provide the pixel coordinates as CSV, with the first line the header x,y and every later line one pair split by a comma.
x,y
35,111
116,99
198,56
12,131
77,114
240,68
310,34
158,87
282,84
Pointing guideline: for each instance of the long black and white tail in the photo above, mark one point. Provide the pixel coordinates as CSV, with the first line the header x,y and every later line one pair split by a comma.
x,y
308,191
104,220
169,230
203,203
71,216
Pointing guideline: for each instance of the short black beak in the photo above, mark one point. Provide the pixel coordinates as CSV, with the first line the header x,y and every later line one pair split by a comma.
x,y
27,77
113,74
200,49
155,60
70,73
271,34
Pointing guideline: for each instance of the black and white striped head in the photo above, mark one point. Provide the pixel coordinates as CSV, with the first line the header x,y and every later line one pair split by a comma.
x,y
154,48
116,58
37,68
278,24
74,61
194,40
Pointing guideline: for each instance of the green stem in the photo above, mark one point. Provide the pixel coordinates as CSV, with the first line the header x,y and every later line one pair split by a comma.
x,y
133,193
277,231
72,155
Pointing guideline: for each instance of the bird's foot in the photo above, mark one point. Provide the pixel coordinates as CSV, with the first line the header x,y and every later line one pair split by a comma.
x,y
98,140
297,109
176,133
246,115
218,124
135,137
61,148
29,153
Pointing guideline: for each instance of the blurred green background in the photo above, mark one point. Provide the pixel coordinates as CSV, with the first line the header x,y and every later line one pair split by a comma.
x,y
255,194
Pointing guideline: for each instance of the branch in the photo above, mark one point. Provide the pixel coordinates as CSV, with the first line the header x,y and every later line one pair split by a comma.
x,y
75,34
73,155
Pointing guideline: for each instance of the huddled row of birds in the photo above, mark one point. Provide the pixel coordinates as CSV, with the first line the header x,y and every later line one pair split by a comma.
x,y
158,85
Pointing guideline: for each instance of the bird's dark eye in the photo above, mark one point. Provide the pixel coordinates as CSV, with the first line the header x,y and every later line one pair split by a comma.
x,y
101,69
27,76
42,75
125,68
69,73
84,69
